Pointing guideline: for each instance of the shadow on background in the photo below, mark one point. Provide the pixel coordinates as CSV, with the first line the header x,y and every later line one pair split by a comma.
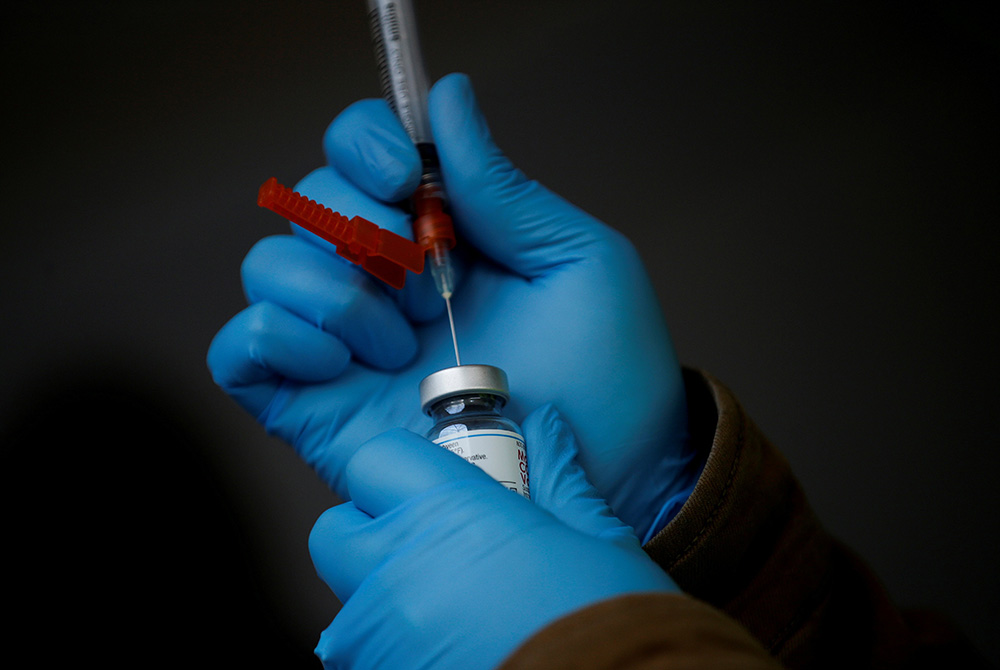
x,y
123,546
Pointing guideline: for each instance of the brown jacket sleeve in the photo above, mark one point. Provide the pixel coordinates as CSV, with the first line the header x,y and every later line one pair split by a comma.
x,y
748,545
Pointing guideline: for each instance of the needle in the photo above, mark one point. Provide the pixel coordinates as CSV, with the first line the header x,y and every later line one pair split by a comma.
x,y
451,321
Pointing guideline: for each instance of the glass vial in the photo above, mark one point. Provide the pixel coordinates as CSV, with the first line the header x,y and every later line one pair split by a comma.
x,y
465,403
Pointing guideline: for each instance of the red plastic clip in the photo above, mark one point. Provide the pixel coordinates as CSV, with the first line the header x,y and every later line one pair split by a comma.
x,y
381,252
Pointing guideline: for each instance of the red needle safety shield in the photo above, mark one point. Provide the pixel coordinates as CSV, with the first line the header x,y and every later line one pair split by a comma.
x,y
380,252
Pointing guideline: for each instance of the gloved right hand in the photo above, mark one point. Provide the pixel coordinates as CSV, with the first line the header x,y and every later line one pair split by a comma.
x,y
326,357
439,566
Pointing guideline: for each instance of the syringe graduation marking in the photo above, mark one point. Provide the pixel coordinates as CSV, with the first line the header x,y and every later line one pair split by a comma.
x,y
385,78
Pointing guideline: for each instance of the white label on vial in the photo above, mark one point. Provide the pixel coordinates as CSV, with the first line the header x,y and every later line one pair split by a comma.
x,y
500,453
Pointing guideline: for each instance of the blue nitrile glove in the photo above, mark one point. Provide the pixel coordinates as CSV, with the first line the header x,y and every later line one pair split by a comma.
x,y
438,566
326,357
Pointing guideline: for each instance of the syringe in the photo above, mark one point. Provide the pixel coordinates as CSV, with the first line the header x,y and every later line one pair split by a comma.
x,y
405,87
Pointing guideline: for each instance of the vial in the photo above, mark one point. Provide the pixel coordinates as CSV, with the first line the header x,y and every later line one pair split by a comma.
x,y
465,403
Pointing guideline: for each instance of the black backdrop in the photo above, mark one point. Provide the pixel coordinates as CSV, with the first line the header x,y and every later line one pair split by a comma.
x,y
812,185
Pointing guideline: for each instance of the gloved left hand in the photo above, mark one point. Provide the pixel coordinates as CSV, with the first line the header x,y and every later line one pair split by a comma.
x,y
439,566
326,358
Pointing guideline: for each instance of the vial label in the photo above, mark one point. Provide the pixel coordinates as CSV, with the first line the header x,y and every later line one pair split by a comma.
x,y
500,453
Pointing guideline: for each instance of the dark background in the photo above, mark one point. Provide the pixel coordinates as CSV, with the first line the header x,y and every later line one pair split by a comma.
x,y
812,185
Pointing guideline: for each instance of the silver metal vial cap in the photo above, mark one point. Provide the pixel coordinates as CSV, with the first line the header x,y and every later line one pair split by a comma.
x,y
460,380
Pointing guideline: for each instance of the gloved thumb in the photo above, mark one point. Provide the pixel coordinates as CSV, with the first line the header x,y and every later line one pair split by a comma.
x,y
559,484
515,221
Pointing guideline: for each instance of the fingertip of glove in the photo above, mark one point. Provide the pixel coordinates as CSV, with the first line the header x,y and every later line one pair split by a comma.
x,y
367,144
453,102
322,651
371,457
454,83
545,420
329,521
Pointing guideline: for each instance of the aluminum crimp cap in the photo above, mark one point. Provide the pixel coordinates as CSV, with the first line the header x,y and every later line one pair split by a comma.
x,y
463,379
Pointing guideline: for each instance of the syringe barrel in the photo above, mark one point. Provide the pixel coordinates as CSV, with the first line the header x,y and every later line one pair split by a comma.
x,y
401,67
405,87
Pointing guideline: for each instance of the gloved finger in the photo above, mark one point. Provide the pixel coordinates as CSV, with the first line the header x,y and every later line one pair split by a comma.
x,y
515,221
264,344
344,545
559,483
329,187
347,544
367,143
333,189
395,482
397,466
332,296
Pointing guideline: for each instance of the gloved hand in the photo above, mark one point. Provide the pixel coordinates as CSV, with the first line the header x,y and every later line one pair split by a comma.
x,y
326,357
439,566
